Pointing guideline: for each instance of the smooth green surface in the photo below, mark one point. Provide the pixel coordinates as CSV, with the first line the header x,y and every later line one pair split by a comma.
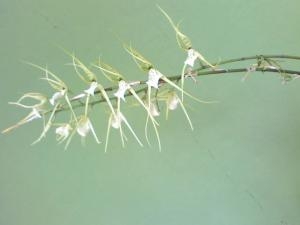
x,y
240,166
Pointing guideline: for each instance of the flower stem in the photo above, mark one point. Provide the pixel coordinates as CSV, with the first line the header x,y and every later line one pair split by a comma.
x,y
202,71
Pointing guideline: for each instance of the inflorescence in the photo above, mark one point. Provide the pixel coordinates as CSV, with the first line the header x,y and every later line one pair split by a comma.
x,y
147,94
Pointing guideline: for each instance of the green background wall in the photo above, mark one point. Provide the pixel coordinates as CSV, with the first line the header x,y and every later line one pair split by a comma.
x,y
240,166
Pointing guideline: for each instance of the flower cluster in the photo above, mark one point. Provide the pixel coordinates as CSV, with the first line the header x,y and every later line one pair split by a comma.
x,y
47,107
147,94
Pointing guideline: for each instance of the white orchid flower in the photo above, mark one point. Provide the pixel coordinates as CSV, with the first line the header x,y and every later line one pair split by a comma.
x,y
35,114
56,96
185,43
123,87
84,127
154,110
92,88
191,57
116,120
63,132
153,78
173,101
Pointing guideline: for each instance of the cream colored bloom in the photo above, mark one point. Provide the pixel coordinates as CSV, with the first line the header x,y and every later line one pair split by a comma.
x,y
35,114
154,110
92,88
117,120
84,127
63,132
56,96
123,87
191,58
173,101
153,78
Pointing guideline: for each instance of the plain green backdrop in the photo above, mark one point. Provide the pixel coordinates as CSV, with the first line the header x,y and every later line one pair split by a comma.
x,y
240,166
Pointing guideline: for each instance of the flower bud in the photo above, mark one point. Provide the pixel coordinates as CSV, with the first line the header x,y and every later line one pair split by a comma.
x,y
154,110
172,101
116,120
84,127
